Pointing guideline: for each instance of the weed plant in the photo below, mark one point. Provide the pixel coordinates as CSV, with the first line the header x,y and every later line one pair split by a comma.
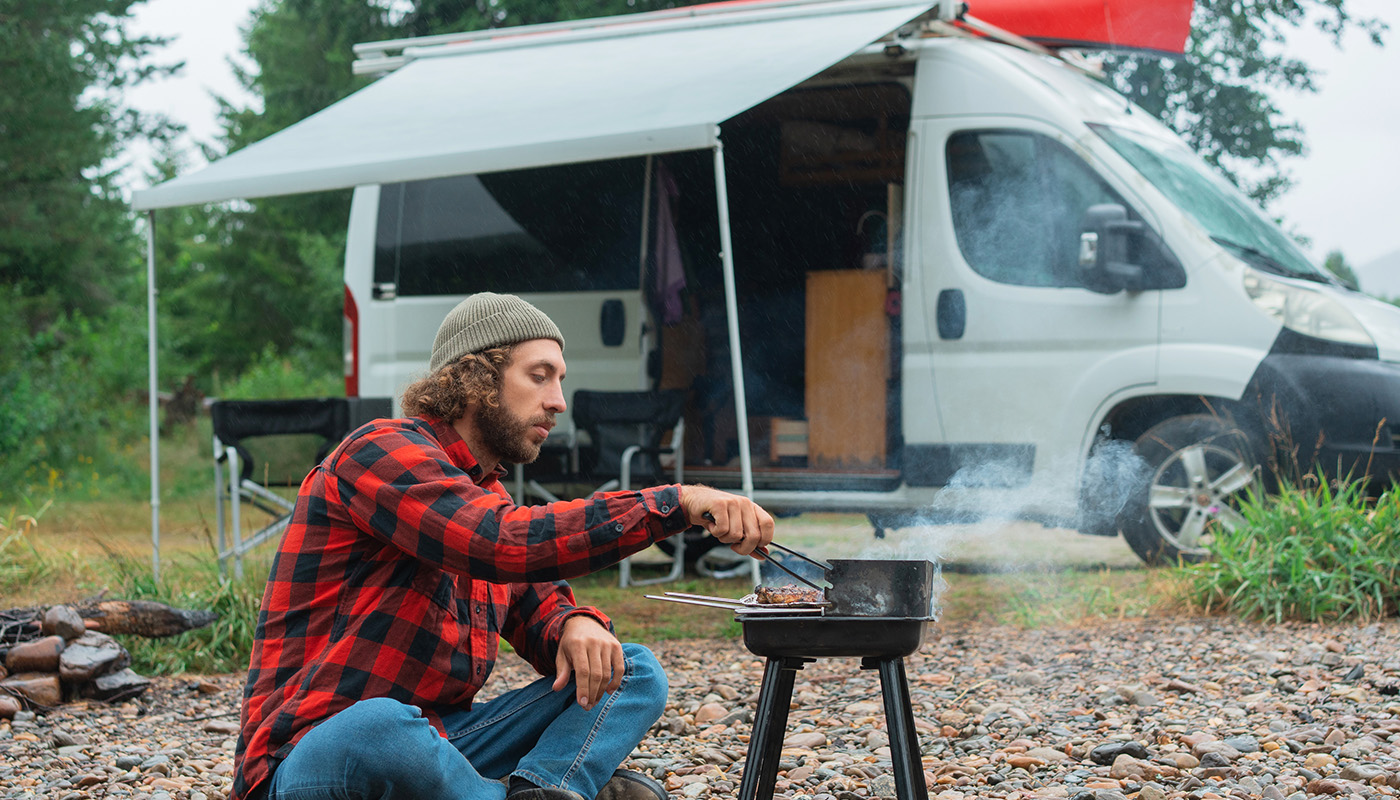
x,y
222,646
1312,551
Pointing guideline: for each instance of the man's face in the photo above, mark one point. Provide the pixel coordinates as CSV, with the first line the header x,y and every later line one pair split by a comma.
x,y
532,394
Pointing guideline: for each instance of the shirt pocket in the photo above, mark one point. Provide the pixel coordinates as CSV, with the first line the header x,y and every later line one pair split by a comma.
x,y
439,588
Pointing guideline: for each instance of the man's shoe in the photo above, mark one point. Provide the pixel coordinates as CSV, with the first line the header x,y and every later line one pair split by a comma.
x,y
628,785
544,793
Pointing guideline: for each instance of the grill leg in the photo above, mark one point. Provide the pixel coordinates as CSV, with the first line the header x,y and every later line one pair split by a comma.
x,y
904,738
769,725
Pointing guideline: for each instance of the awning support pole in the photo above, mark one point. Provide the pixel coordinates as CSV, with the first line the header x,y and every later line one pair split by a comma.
x,y
154,401
731,309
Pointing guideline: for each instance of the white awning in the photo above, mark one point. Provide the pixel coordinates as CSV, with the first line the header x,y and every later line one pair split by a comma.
x,y
555,97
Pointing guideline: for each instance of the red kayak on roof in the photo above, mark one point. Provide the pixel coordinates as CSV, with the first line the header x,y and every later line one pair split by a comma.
x,y
1156,25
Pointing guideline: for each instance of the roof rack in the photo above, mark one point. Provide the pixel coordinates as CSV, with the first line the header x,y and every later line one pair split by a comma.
x,y
377,58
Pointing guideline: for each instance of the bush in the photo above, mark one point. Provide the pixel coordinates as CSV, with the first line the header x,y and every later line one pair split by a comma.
x,y
274,375
68,396
1314,552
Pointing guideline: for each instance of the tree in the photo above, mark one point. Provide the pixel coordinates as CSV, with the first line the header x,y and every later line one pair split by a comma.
x,y
1337,264
64,231
1218,97
70,258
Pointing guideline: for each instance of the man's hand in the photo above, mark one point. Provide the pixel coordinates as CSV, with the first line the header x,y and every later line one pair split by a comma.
x,y
592,656
733,519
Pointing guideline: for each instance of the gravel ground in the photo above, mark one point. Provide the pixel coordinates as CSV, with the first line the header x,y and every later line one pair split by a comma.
x,y
1176,708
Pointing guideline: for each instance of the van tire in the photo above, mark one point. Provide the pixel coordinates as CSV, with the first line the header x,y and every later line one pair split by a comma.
x,y
1198,469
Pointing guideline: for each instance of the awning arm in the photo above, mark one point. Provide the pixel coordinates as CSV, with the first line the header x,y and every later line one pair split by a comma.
x,y
154,398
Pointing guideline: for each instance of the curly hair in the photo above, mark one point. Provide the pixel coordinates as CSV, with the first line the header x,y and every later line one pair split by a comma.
x,y
446,394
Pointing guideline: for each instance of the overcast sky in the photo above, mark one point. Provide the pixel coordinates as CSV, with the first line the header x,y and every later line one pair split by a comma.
x,y
1347,191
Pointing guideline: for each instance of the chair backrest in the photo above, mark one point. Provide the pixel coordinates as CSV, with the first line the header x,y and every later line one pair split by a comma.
x,y
294,434
615,421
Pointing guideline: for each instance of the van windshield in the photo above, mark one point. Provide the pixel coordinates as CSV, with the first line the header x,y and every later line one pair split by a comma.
x,y
1229,217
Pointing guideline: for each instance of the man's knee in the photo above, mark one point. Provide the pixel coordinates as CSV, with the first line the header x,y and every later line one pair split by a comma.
x,y
357,734
354,740
645,677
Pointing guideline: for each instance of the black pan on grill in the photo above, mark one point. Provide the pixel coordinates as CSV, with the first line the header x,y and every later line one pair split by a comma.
x,y
880,588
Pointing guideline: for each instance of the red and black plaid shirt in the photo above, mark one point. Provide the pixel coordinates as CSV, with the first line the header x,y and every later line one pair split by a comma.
x,y
403,564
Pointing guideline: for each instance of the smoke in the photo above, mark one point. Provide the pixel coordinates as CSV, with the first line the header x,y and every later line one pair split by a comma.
x,y
966,512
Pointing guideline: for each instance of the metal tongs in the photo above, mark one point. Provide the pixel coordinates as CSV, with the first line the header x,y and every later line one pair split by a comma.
x,y
825,567
816,562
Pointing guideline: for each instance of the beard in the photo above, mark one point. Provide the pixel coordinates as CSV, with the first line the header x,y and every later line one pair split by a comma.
x,y
506,435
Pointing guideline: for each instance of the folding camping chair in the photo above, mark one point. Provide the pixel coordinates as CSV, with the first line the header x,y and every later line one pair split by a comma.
x,y
627,438
264,443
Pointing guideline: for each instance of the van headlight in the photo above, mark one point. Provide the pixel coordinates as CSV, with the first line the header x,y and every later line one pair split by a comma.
x,y
1306,311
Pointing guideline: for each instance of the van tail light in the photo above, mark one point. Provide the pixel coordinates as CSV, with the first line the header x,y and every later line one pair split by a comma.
x,y
351,343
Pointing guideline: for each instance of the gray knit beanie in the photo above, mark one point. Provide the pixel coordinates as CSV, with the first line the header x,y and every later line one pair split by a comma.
x,y
487,320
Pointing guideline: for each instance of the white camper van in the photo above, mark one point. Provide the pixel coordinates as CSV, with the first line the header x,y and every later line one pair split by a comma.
x,y
951,276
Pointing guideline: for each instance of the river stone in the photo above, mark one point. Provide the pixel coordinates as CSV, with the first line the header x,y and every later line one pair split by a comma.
x,y
89,656
1125,766
1213,760
1048,754
1201,749
40,688
1029,677
1105,754
227,727
40,655
1244,744
808,740
63,621
709,713
1365,773
9,706
122,684
1331,786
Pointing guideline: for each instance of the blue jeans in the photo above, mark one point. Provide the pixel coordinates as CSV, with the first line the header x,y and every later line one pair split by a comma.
x,y
382,749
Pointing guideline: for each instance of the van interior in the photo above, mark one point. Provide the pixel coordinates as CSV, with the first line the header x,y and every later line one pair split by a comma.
x,y
814,181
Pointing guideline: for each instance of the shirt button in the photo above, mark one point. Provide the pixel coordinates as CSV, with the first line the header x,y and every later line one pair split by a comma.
x,y
479,608
619,527
665,509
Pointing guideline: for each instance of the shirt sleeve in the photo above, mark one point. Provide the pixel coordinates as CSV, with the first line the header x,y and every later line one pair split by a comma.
x,y
399,486
536,621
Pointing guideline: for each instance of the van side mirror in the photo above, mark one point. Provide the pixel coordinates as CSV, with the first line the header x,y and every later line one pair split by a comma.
x,y
1103,250
1116,253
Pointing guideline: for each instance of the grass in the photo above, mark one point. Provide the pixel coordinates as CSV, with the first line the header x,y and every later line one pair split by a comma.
x,y
80,546
43,566
1315,551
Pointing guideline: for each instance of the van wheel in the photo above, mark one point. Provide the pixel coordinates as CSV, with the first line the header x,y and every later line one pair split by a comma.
x,y
1200,467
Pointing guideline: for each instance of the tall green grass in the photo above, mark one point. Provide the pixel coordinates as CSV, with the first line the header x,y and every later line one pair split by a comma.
x,y
1313,551
193,583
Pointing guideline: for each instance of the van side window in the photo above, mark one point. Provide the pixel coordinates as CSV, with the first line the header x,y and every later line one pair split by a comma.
x,y
553,229
1017,201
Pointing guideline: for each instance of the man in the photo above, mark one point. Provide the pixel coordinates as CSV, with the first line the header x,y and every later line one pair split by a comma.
x,y
404,563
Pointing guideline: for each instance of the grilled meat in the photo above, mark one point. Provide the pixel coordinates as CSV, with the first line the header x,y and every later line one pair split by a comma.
x,y
788,593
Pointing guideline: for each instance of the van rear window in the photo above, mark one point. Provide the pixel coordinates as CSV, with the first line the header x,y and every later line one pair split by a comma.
x,y
551,229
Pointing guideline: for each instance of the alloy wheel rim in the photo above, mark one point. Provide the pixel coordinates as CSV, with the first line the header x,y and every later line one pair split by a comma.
x,y
1194,492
